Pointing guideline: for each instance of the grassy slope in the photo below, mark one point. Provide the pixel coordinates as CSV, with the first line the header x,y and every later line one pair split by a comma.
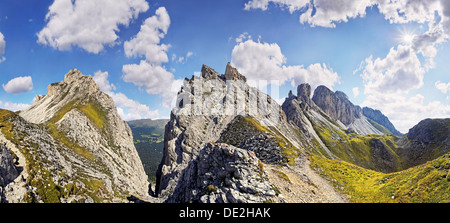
x,y
429,182
352,148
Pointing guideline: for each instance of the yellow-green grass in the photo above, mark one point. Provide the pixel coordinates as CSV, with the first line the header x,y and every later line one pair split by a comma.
x,y
427,183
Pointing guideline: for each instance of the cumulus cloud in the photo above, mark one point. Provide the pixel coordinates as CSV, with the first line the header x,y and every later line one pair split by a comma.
x,y
443,87
327,13
406,111
2,47
400,71
264,61
154,79
291,5
87,24
149,73
13,106
147,41
101,78
244,36
19,85
127,108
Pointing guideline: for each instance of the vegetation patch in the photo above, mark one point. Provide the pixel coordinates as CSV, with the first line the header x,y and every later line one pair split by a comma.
x,y
281,175
427,183
95,114
354,148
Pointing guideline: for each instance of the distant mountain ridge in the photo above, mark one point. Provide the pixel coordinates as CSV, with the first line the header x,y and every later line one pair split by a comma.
x,y
380,118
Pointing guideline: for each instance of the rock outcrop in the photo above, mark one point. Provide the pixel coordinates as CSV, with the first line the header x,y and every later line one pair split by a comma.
x,y
8,170
223,174
427,140
338,107
232,74
75,141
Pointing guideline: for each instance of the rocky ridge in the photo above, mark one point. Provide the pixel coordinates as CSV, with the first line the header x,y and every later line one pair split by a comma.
x,y
378,117
223,174
76,146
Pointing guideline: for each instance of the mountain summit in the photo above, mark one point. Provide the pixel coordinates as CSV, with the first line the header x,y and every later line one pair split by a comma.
x,y
76,146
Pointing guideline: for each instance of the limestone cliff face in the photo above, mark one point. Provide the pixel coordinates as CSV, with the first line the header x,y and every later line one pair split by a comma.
x,y
338,107
74,138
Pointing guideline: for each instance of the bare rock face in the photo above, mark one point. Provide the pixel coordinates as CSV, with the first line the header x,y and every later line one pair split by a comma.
x,y
223,174
87,138
231,73
8,170
338,107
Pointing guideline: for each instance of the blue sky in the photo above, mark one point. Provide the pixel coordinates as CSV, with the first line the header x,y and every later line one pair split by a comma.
x,y
391,56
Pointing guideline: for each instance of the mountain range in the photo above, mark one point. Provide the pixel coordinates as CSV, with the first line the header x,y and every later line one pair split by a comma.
x,y
225,141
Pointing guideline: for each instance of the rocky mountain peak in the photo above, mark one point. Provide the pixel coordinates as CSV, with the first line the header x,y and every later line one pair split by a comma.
x,y
231,73
341,95
208,73
304,93
336,105
76,112
73,75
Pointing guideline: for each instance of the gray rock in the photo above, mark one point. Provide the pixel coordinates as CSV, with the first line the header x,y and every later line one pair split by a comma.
x,y
217,181
8,171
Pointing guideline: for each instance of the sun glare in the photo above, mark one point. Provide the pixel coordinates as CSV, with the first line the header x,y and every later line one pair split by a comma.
x,y
406,37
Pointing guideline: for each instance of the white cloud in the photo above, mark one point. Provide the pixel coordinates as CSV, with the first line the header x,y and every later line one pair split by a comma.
x,y
404,11
443,87
400,71
13,106
87,24
154,79
149,73
355,91
147,41
183,59
19,85
127,108
406,111
2,47
101,78
292,5
264,61
244,36
328,13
